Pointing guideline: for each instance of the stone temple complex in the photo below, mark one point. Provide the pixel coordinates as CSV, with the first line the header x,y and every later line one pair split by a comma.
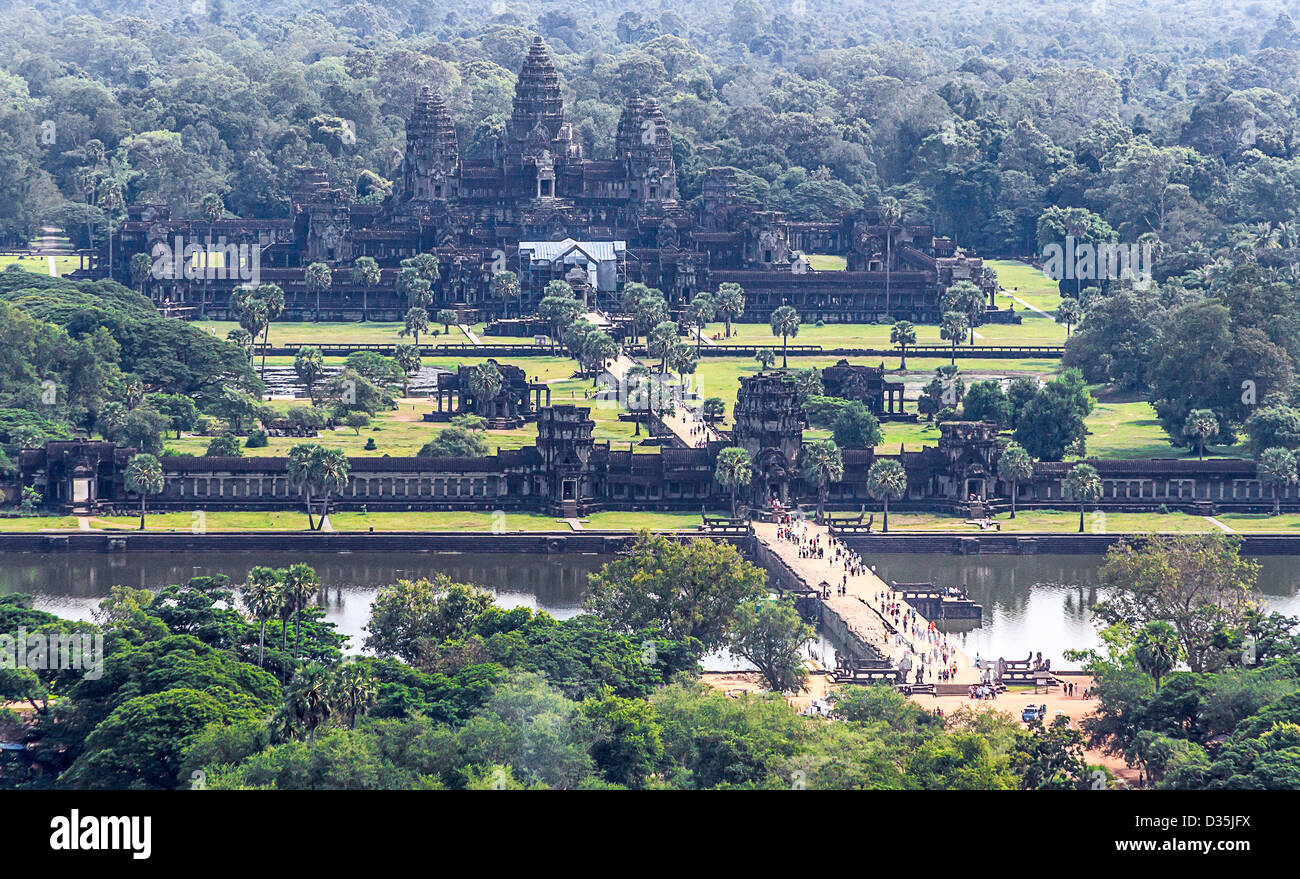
x,y
540,207
568,473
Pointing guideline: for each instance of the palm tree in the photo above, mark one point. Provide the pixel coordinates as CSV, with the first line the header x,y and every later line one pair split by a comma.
x,y
1156,649
417,321
733,469
141,267
729,302
821,464
366,272
144,474
262,598
966,298
1201,424
597,348
253,318
887,479
660,340
110,198
212,208
954,327
446,317
318,279
309,698
1014,466
1085,484
355,690
700,312
300,585
299,465
408,359
637,381
308,364
505,286
329,473
891,211
765,357
903,334
1277,470
272,299
1070,313
785,323
485,383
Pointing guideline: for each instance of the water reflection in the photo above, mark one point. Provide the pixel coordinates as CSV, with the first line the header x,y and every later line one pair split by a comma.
x,y
1031,603
1038,603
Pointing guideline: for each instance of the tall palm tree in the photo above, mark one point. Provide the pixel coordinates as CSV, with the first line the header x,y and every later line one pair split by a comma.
x,y
355,690
1201,424
821,464
417,321
729,302
144,475
785,323
141,266
272,299
366,272
1084,483
700,312
329,474
891,211
318,279
261,594
954,327
111,199
309,698
212,208
505,286
299,465
733,469
485,383
1277,470
887,479
300,585
1156,649
903,335
1015,466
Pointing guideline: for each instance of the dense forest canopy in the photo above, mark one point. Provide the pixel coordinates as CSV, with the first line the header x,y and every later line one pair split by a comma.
x,y
1172,119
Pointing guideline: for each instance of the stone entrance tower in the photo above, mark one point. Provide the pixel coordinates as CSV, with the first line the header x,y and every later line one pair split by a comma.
x,y
769,425
564,443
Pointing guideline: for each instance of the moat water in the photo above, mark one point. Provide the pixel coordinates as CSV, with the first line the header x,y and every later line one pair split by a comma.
x,y
1031,603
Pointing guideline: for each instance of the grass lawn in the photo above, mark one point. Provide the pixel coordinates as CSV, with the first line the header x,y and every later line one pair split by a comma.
x,y
826,262
29,524
1129,430
651,521
1027,283
1055,521
40,265
338,333
296,520
399,433
1286,522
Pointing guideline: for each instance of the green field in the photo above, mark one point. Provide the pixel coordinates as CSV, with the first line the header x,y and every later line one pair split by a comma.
x,y
29,524
41,264
1027,283
826,262
296,520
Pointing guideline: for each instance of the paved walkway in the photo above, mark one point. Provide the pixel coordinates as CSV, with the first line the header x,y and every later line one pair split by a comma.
x,y
682,423
469,334
863,607
1217,524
